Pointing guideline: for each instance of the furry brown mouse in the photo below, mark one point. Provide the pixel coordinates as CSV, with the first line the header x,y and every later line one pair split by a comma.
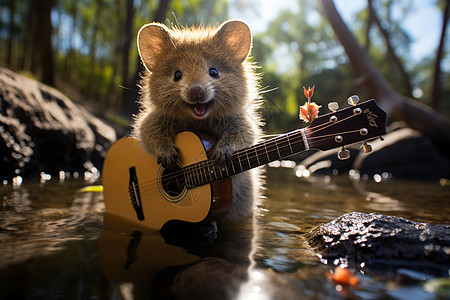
x,y
201,79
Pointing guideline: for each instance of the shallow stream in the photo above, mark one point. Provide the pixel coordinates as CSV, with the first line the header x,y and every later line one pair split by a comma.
x,y
55,243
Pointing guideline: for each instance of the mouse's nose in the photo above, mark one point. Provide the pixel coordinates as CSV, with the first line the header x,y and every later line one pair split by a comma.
x,y
197,93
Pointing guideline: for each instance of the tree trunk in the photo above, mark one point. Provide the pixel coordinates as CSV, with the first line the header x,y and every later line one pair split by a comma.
x,y
93,49
11,59
28,62
161,11
113,86
131,95
127,40
369,25
415,114
71,59
43,41
436,90
391,53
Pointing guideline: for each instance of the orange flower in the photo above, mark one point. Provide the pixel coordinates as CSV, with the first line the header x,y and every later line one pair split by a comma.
x,y
343,277
309,92
309,110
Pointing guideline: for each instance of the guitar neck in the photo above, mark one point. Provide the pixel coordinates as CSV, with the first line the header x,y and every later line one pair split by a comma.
x,y
271,150
336,129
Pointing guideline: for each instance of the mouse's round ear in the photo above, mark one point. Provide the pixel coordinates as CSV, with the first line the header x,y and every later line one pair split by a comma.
x,y
153,41
235,36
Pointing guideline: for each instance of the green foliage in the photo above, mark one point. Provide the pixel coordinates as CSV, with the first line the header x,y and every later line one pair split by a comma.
x,y
311,56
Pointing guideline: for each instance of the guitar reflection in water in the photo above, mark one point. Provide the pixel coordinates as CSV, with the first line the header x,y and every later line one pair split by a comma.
x,y
143,199
141,264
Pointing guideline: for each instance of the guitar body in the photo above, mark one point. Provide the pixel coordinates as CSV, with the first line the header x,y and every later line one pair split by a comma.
x,y
133,178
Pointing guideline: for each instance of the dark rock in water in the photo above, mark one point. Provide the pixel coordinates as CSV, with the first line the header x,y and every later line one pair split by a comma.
x,y
406,154
41,130
383,243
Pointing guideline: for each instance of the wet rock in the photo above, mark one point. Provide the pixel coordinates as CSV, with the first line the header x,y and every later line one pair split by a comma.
x,y
404,154
383,243
41,130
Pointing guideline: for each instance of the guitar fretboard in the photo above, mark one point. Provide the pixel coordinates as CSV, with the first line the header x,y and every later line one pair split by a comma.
x,y
271,150
336,129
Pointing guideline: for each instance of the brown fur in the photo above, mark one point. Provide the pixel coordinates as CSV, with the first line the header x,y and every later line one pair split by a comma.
x,y
226,106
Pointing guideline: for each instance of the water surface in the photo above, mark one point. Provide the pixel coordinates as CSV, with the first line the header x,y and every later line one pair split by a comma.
x,y
55,243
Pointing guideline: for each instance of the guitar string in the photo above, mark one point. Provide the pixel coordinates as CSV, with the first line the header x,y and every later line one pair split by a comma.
x,y
152,189
281,146
270,146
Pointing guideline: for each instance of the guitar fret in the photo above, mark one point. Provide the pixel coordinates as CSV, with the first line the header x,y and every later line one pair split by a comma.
x,y
260,154
206,171
240,164
289,142
267,153
213,172
187,178
202,176
226,169
220,169
248,161
278,150
257,156
209,172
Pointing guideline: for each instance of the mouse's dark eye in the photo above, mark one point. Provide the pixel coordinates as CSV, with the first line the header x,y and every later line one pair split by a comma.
x,y
213,73
177,76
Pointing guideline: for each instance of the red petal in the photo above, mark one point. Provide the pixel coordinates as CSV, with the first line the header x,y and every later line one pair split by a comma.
x,y
305,92
311,91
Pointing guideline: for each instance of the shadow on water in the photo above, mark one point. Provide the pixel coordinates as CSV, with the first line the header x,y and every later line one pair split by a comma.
x,y
57,243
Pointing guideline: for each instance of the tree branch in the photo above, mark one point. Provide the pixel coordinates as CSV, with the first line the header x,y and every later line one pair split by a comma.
x,y
436,89
391,52
415,114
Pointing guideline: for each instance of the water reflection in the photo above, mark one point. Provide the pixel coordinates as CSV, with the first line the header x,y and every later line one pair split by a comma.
x,y
144,263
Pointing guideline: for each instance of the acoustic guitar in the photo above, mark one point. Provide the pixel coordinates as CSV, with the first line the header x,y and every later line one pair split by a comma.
x,y
140,190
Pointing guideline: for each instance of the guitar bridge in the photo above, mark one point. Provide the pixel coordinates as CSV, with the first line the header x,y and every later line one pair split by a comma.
x,y
135,196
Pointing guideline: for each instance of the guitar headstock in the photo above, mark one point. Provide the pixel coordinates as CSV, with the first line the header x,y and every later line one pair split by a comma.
x,y
359,122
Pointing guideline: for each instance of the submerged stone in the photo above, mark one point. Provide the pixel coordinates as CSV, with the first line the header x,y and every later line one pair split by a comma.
x,y
383,243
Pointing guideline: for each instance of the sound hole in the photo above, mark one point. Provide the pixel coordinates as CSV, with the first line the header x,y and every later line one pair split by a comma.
x,y
172,181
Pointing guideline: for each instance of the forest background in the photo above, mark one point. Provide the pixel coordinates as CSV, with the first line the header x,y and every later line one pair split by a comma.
x,y
87,50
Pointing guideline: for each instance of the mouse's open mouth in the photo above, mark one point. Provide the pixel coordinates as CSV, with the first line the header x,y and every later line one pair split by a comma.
x,y
200,109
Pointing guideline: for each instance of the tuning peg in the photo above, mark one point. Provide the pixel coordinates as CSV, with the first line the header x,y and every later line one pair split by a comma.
x,y
333,106
367,148
343,153
353,100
